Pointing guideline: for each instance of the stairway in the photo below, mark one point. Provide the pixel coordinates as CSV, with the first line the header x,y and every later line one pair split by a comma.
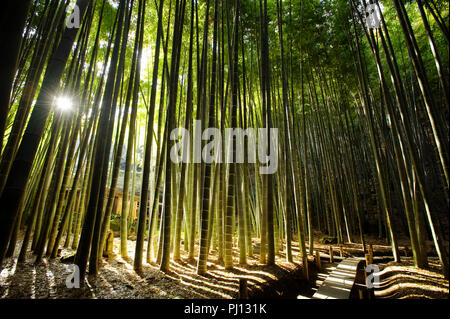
x,y
323,274
338,283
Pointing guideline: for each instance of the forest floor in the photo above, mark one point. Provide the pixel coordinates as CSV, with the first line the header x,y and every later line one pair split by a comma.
x,y
404,281
117,279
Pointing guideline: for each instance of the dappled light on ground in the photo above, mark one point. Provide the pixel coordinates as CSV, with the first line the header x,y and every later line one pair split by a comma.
x,y
117,278
403,281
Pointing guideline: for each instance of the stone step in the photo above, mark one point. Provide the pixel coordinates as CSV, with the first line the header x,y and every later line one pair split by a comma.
x,y
339,282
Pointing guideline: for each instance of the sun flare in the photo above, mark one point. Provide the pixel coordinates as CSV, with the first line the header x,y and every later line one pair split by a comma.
x,y
64,103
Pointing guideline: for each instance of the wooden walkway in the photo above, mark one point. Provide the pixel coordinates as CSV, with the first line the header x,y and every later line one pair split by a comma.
x,y
339,282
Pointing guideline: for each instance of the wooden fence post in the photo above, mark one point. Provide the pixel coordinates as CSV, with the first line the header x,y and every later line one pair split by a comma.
x,y
369,259
331,254
318,262
243,289
361,293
